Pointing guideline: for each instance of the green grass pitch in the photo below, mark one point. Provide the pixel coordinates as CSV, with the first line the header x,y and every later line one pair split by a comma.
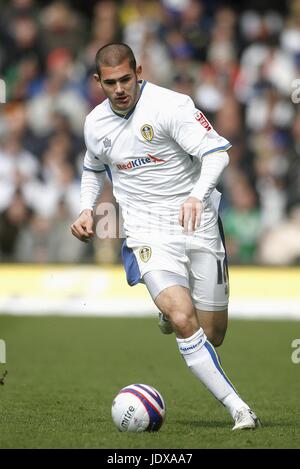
x,y
64,372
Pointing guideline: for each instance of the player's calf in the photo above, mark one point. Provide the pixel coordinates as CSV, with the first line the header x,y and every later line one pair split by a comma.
x,y
214,324
215,337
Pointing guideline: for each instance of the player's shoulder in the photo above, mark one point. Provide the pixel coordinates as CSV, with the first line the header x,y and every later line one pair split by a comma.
x,y
161,96
98,113
95,123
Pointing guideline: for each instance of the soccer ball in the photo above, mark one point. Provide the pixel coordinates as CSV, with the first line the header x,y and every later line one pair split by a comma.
x,y
138,408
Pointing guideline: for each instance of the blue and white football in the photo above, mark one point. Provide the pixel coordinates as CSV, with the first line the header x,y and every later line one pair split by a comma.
x,y
138,408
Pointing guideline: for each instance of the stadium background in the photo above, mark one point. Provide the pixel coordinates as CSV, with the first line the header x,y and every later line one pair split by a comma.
x,y
240,62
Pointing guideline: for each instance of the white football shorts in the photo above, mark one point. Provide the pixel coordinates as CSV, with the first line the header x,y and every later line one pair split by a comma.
x,y
197,261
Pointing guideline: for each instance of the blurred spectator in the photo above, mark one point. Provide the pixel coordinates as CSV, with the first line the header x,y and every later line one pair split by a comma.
x,y
293,164
184,83
17,168
12,221
105,28
17,126
46,239
270,166
281,245
242,222
208,93
21,39
62,27
58,94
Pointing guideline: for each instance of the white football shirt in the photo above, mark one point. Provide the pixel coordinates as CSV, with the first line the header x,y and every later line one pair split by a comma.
x,y
153,156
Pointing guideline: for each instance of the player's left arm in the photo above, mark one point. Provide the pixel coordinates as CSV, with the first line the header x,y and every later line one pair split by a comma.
x,y
194,133
213,165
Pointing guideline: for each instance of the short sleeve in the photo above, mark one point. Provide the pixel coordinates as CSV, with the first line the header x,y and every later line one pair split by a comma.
x,y
192,131
92,159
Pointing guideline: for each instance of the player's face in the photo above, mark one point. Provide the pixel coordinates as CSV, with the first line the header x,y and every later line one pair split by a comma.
x,y
120,85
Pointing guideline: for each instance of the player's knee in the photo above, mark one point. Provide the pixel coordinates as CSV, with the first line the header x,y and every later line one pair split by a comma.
x,y
178,311
182,320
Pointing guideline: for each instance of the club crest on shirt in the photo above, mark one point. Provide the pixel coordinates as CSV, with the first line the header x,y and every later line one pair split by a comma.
x,y
147,132
145,253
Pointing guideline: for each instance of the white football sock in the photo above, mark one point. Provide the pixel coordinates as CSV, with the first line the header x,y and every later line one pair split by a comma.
x,y
201,357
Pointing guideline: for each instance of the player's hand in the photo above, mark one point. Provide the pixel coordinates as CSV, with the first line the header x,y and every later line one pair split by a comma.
x,y
190,214
82,228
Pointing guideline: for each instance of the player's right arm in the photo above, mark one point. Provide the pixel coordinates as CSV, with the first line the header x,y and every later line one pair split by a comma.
x,y
82,228
92,183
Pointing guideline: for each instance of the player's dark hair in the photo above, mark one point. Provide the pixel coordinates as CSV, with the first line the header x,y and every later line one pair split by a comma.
x,y
114,54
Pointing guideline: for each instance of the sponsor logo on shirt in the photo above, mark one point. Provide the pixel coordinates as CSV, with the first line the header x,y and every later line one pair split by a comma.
x,y
147,132
145,253
138,162
202,120
107,142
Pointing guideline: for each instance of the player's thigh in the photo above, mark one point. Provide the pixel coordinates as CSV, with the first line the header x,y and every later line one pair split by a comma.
x,y
209,282
170,292
214,324
174,300
208,275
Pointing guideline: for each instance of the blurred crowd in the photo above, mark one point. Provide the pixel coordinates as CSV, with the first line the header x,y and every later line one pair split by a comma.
x,y
242,68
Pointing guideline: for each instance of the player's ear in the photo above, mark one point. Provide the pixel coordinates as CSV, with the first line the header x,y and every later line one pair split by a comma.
x,y
97,78
138,71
